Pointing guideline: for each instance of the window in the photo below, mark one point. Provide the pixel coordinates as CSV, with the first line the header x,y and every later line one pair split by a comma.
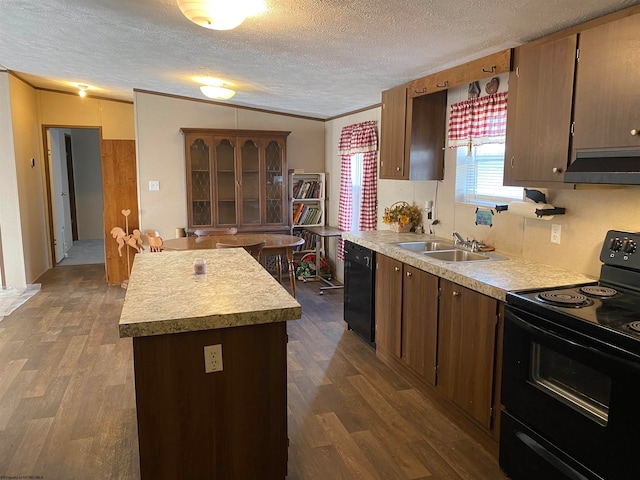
x,y
479,176
356,189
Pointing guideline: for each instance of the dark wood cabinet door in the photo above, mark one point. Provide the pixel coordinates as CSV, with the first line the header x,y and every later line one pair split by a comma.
x,y
466,349
388,304
607,97
539,112
424,145
392,133
420,322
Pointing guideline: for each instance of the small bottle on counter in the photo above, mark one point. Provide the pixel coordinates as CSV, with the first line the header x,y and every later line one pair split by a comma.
x,y
199,266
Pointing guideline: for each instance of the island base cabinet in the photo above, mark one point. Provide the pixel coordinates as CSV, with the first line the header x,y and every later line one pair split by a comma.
x,y
228,424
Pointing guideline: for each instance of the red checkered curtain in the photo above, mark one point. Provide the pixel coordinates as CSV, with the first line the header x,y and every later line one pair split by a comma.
x,y
358,138
478,121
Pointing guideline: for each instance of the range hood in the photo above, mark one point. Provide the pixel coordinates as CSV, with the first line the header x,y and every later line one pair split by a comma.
x,y
620,167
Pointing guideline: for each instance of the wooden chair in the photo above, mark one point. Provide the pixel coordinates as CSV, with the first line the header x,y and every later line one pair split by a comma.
x,y
208,232
254,249
154,242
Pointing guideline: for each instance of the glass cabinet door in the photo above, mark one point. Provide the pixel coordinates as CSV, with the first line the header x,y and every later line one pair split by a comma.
x,y
274,162
250,182
200,180
225,191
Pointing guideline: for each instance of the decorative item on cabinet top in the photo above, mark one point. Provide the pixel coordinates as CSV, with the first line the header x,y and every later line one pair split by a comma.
x,y
466,73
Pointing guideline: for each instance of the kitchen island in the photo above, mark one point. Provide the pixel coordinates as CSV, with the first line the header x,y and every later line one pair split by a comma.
x,y
231,423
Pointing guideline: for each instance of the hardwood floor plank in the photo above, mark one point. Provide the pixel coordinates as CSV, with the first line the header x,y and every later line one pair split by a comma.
x,y
390,463
67,399
354,459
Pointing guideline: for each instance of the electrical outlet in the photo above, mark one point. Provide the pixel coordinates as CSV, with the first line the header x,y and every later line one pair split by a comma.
x,y
213,358
555,233
154,185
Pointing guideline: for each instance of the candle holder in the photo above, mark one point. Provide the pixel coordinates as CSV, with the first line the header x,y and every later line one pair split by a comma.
x,y
199,266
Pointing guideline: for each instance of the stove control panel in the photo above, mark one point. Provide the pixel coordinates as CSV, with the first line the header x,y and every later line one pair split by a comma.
x,y
621,249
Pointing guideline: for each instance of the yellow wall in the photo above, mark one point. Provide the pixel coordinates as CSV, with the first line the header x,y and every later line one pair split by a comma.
x,y
115,118
23,214
160,150
24,117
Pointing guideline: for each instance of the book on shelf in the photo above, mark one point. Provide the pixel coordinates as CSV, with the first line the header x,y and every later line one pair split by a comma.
x,y
298,211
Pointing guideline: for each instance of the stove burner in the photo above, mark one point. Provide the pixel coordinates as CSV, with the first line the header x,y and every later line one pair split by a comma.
x,y
564,299
599,291
635,326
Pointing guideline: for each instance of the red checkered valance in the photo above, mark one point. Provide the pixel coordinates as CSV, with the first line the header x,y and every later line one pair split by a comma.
x,y
358,138
478,121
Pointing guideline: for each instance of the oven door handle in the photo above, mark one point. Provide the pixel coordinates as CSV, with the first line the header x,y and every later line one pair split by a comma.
x,y
545,454
529,327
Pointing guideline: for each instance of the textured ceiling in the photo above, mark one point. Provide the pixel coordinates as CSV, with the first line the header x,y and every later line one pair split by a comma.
x,y
319,58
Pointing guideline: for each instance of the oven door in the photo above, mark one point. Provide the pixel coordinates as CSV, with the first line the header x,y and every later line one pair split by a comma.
x,y
577,393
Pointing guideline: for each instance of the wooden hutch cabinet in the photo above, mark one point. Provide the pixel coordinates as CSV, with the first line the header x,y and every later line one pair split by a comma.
x,y
236,178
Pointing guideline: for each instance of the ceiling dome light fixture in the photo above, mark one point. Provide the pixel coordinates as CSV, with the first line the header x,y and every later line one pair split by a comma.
x,y
83,90
220,14
218,92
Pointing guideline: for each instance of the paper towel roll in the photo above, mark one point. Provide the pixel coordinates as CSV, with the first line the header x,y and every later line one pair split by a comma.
x,y
528,209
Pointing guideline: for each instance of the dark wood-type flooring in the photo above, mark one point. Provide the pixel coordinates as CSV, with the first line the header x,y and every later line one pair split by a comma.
x,y
67,404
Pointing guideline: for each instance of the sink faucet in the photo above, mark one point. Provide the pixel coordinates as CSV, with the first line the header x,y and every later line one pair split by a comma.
x,y
471,245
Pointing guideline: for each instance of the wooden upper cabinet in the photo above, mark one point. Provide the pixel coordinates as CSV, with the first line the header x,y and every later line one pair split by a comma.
x,y
488,66
236,178
539,112
412,135
607,97
392,133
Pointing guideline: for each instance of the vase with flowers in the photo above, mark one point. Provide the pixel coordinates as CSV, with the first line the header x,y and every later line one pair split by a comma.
x,y
402,217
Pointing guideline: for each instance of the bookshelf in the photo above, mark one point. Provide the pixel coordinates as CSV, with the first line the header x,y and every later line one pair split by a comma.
x,y
306,205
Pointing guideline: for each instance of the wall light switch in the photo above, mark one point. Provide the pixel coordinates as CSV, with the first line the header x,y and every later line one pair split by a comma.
x,y
213,358
154,185
555,233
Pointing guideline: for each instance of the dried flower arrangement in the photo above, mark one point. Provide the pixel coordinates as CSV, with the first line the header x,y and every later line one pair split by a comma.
x,y
402,217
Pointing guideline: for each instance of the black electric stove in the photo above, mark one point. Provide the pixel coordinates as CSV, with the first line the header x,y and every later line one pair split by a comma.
x,y
608,309
570,374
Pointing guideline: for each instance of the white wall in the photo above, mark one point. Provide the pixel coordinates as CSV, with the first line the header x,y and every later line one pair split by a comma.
x,y
590,211
87,176
161,151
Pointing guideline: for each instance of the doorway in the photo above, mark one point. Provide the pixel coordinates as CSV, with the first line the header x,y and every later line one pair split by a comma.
x,y
75,191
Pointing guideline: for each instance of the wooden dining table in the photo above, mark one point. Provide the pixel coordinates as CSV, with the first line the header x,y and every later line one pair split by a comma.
x,y
275,245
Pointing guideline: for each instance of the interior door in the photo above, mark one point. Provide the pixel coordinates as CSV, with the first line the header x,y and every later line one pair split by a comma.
x,y
57,193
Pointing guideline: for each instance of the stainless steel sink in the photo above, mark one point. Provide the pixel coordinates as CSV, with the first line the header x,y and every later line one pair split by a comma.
x,y
426,246
456,256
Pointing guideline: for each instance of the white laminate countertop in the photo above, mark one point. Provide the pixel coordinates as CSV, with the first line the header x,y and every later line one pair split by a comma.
x,y
492,278
164,295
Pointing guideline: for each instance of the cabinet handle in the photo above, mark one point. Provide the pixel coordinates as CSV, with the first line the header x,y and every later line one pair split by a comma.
x,y
446,82
512,159
397,269
456,294
493,69
397,169
409,274
556,170
635,132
